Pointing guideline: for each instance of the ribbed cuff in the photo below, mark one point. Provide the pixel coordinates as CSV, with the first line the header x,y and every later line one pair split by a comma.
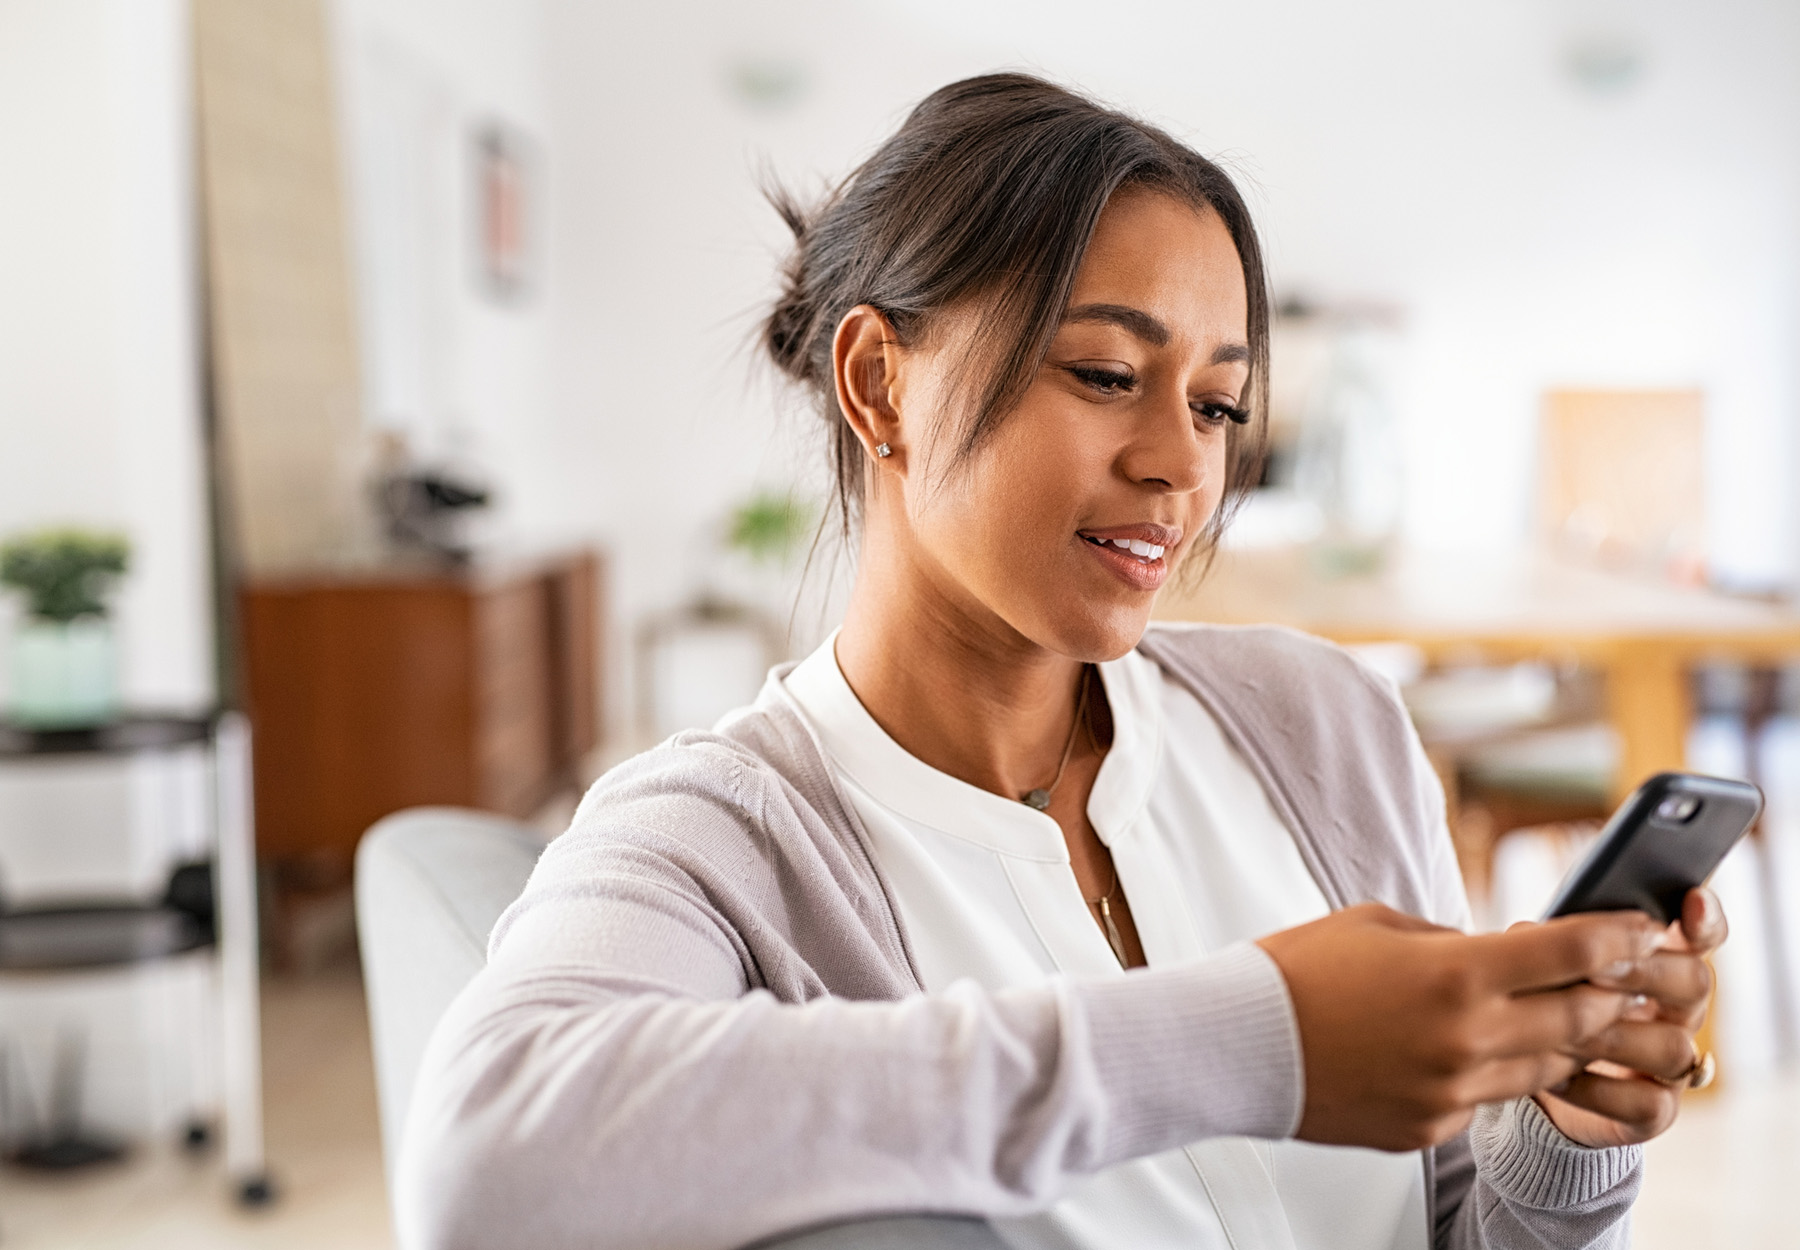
x,y
1208,1049
1523,1156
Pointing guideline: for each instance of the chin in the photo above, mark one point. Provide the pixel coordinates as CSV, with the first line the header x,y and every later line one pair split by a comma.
x,y
1102,632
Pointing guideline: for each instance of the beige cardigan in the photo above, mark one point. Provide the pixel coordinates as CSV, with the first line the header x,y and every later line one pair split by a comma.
x,y
700,1024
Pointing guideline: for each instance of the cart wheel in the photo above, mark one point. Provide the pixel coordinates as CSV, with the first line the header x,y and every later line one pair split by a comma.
x,y
257,1191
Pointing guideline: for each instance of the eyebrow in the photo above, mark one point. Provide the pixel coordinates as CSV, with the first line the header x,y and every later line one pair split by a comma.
x,y
1149,329
1141,324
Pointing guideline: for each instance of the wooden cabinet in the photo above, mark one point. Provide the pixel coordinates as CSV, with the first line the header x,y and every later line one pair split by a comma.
x,y
372,693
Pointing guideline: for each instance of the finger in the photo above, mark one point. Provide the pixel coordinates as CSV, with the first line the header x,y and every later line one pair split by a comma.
x,y
1552,1020
1643,1106
1663,1051
1703,921
1515,1078
1679,982
1565,950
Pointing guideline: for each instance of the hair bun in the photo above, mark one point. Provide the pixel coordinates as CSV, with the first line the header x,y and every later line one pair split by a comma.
x,y
789,325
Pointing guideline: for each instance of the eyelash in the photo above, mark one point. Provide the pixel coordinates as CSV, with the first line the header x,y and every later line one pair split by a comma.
x,y
1113,382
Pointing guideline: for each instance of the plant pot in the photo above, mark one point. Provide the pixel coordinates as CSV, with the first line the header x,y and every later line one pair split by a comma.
x,y
64,675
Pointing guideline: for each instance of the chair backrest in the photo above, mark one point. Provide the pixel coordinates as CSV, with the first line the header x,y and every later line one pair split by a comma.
x,y
430,883
1622,479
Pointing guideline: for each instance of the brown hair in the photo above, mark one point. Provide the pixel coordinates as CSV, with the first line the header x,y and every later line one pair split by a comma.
x,y
991,190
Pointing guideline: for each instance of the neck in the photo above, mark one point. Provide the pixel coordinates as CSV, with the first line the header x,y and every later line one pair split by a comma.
x,y
953,684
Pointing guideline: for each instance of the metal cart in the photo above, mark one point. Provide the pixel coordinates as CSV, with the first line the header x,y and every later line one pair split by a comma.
x,y
206,906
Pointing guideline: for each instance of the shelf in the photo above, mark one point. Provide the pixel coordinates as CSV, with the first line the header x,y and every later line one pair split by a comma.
x,y
125,736
99,935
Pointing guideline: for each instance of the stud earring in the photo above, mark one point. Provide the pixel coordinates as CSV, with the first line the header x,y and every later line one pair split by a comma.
x,y
883,451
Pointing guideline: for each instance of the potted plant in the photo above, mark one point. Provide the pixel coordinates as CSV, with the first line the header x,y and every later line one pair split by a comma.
x,y
769,527
63,673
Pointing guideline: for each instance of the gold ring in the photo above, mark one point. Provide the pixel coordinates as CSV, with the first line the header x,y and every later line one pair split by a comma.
x,y
1704,1070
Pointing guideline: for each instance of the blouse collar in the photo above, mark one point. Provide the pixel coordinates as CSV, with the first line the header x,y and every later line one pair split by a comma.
x,y
883,769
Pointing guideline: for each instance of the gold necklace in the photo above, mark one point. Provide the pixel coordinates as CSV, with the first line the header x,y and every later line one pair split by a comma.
x,y
1038,800
1113,937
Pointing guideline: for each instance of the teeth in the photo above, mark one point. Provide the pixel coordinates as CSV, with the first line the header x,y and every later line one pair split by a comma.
x,y
1142,550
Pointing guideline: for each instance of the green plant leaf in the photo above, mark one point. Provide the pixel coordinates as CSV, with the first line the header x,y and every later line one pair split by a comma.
x,y
64,573
769,526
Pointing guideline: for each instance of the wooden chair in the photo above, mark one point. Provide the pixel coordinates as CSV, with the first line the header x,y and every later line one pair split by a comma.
x,y
1620,485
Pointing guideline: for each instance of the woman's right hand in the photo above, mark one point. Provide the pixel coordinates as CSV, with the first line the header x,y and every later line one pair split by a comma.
x,y
1406,1027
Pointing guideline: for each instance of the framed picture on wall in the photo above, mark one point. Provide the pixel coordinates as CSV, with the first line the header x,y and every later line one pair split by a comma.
x,y
505,217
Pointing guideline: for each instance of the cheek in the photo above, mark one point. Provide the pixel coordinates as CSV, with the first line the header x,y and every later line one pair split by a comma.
x,y
1038,481
1212,491
1011,509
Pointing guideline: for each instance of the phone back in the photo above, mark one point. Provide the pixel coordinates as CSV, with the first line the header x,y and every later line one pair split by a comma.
x,y
1662,842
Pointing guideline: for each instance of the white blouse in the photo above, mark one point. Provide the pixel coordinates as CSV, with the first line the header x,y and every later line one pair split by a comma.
x,y
985,891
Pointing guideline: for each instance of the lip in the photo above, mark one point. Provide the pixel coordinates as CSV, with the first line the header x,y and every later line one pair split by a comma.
x,y
1142,531
1139,574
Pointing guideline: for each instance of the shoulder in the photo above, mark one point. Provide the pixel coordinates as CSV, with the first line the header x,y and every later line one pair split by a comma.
x,y
756,784
1274,666
1334,748
745,822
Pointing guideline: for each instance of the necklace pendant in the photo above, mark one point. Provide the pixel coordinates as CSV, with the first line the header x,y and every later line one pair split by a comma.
x,y
1114,938
1036,800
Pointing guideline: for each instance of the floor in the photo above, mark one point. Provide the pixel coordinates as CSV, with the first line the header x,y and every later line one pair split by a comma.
x,y
324,1151
1723,1177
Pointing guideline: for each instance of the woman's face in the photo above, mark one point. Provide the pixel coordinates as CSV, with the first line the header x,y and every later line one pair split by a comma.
x,y
1064,523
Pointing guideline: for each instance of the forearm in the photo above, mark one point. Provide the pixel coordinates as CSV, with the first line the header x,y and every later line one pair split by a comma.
x,y
1515,1183
559,1100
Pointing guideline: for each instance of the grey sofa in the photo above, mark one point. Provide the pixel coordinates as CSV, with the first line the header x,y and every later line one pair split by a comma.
x,y
430,883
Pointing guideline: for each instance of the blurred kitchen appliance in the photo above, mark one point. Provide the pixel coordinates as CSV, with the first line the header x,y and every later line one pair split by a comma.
x,y
1334,436
426,511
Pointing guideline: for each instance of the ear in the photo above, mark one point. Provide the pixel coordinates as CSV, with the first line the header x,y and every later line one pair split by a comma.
x,y
866,363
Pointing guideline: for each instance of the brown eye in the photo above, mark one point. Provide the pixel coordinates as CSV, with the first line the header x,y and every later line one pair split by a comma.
x,y
1216,413
1106,381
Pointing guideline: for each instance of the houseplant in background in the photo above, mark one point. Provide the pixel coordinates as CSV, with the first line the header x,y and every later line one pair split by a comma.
x,y
710,655
769,527
64,672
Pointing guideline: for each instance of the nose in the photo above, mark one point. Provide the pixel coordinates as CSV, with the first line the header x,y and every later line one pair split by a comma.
x,y
1167,451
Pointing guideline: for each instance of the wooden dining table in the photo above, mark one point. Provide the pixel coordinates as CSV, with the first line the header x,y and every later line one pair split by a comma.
x,y
1643,636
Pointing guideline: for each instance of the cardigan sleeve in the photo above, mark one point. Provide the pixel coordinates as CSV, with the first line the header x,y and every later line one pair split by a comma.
x,y
619,1074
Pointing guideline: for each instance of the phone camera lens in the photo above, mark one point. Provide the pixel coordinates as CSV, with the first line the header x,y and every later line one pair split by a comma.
x,y
1678,808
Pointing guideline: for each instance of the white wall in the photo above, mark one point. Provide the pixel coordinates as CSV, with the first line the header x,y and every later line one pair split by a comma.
x,y
464,376
1437,157
100,426
99,400
665,254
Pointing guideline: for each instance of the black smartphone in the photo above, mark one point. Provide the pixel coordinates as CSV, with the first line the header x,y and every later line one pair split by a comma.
x,y
1662,842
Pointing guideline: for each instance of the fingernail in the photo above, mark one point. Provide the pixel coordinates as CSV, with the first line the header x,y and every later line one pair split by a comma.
x,y
1639,1001
1617,969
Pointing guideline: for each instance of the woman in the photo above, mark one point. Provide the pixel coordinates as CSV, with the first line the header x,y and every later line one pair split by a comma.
x,y
1000,905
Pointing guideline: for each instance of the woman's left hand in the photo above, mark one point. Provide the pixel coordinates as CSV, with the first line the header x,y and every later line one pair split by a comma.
x,y
1640,1065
